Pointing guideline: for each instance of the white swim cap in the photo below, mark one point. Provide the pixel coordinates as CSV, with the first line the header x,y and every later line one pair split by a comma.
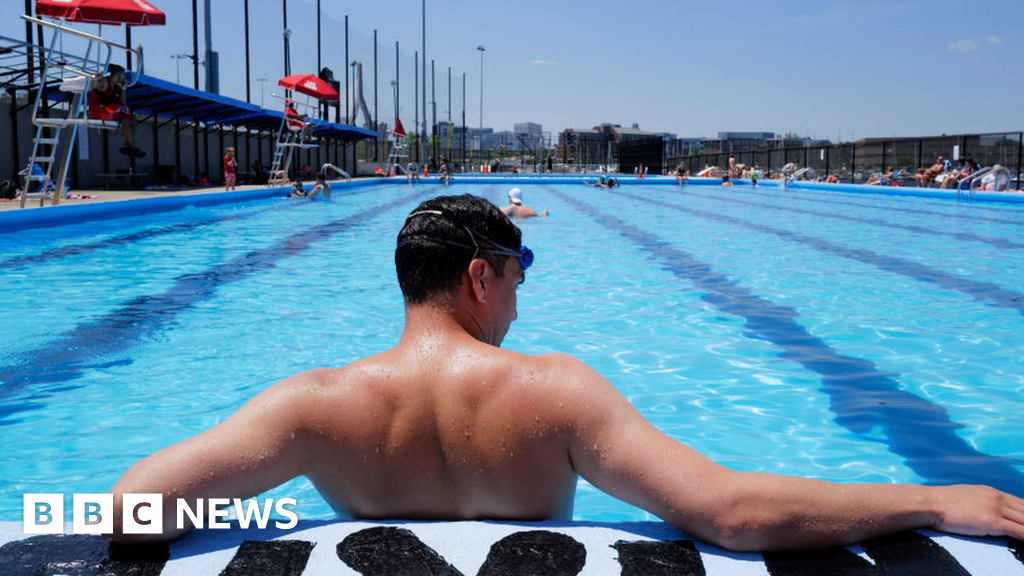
x,y
515,195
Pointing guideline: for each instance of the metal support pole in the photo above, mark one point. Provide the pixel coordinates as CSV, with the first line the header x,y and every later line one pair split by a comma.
x,y
30,59
319,66
449,112
287,56
128,43
397,83
463,118
195,45
423,65
195,150
248,82
156,145
853,162
376,146
15,154
348,119
416,101
1020,157
433,108
177,151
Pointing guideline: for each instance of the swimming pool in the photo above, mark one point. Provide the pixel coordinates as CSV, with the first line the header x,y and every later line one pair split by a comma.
x,y
839,336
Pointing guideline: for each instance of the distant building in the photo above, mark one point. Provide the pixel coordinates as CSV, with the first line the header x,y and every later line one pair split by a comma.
x,y
732,142
584,146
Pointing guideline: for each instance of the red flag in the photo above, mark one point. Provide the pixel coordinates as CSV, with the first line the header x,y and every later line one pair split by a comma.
x,y
399,129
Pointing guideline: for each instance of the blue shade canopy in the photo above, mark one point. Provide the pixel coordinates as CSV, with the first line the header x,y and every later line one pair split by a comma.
x,y
156,97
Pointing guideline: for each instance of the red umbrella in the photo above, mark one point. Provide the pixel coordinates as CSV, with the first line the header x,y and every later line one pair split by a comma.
x,y
309,85
130,12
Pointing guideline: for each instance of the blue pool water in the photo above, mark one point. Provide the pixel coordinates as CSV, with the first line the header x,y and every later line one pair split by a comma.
x,y
840,336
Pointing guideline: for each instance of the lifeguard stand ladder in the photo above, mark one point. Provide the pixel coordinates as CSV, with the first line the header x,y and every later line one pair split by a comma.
x,y
55,134
288,140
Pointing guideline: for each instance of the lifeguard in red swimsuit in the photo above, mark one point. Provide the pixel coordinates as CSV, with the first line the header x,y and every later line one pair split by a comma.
x,y
107,102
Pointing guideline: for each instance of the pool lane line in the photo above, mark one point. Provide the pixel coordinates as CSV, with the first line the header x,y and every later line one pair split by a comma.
x,y
825,197
985,292
77,249
914,228
82,348
860,396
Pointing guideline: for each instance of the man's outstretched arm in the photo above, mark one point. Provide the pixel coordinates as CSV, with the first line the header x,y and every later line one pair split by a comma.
x,y
257,448
618,451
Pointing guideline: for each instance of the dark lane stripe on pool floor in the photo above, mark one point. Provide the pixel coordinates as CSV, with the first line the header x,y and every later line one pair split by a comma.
x,y
76,249
860,396
88,344
965,236
964,211
986,292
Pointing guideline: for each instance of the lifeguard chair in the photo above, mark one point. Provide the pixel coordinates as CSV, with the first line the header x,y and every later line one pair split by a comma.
x,y
57,124
399,149
296,131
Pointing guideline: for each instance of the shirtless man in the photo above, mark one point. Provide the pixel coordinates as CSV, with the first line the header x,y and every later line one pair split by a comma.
x,y
924,176
515,208
447,425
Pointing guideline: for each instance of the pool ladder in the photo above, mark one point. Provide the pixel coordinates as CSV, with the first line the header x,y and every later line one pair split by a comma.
x,y
328,167
794,176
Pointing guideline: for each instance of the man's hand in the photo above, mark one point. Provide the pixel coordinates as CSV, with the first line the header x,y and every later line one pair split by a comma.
x,y
979,511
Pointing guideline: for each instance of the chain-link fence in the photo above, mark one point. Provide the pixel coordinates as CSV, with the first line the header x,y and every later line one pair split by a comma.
x,y
856,162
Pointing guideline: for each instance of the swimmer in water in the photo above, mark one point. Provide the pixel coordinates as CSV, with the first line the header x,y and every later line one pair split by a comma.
x,y
516,209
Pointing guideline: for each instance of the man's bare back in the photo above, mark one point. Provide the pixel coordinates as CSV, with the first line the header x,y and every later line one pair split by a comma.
x,y
446,430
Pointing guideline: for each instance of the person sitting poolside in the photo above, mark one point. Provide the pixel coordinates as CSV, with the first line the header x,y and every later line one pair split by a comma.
x,y
445,172
682,175
412,172
952,178
832,179
998,180
925,176
515,208
446,425
883,179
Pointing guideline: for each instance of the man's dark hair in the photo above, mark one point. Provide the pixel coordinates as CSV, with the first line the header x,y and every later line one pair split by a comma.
x,y
114,69
434,250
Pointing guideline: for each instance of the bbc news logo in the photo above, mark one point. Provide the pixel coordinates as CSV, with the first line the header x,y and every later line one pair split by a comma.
x,y
144,513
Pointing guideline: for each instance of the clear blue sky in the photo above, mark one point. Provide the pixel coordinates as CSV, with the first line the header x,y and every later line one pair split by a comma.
x,y
695,68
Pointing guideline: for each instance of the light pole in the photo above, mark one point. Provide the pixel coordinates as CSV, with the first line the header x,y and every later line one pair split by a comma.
x,y
423,66
287,52
263,85
481,135
179,58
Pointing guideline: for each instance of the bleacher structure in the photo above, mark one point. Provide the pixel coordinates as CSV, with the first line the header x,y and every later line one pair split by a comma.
x,y
56,120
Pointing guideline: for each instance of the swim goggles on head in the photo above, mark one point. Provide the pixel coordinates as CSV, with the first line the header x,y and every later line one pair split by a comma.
x,y
524,255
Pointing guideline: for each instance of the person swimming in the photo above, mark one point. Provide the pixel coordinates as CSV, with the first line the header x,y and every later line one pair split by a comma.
x,y
516,209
